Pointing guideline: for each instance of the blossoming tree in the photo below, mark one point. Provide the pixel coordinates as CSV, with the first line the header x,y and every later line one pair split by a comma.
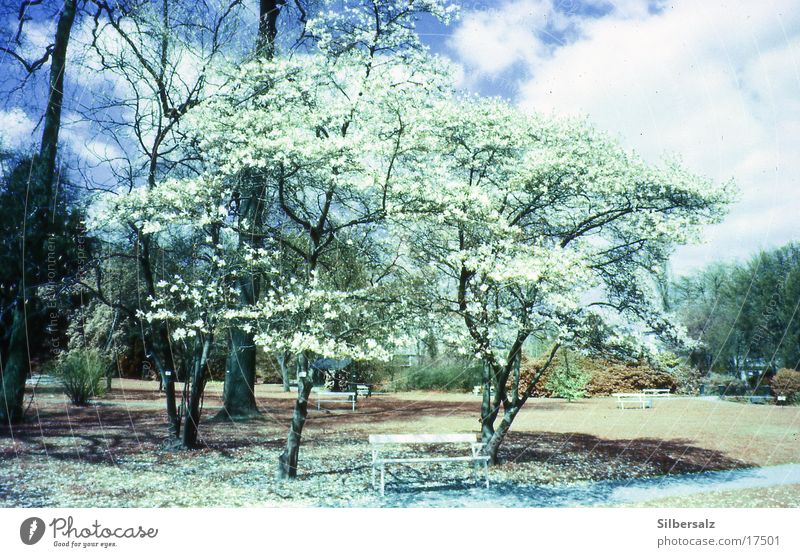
x,y
544,228
343,141
378,198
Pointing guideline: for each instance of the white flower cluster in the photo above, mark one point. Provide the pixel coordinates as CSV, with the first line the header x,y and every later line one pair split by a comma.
x,y
365,199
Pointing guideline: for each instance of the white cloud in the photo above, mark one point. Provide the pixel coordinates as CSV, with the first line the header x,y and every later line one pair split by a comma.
x,y
16,130
492,41
717,82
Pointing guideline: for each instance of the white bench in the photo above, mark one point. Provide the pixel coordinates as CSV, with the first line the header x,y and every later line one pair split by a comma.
x,y
659,393
635,400
477,390
381,443
331,396
363,389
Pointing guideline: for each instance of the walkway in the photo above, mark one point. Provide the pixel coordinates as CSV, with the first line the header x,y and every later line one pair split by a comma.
x,y
603,493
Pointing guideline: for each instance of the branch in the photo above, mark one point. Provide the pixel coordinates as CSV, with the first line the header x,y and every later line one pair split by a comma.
x,y
30,67
539,374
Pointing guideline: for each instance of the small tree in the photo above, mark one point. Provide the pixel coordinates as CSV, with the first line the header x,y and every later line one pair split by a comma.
x,y
567,380
787,383
81,373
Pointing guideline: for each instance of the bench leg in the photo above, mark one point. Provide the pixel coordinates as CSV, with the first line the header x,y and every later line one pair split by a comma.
x,y
374,458
383,479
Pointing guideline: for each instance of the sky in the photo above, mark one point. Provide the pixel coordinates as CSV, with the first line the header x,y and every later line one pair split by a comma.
x,y
714,82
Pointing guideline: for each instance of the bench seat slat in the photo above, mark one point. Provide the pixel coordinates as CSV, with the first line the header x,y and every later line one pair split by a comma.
x,y
432,459
422,438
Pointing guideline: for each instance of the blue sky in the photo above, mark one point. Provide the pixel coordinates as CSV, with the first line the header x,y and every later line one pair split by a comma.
x,y
716,82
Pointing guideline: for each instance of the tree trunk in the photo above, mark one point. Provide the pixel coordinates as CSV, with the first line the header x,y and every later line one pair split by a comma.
x,y
240,377
239,399
164,362
268,26
168,380
287,462
487,415
499,434
198,379
511,408
45,168
14,371
283,359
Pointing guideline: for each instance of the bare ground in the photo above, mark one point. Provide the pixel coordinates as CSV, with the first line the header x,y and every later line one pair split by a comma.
x,y
113,453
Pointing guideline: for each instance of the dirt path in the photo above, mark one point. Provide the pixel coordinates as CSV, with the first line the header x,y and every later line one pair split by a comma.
x,y
603,493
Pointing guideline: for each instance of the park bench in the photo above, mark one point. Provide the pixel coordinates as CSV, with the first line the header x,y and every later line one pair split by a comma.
x,y
659,393
477,390
332,396
633,400
380,443
363,389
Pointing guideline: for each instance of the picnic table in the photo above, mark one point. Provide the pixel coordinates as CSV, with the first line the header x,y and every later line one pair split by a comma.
x,y
385,442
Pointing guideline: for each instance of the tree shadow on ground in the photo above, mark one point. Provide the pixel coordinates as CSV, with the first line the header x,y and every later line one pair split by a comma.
x,y
657,456
90,434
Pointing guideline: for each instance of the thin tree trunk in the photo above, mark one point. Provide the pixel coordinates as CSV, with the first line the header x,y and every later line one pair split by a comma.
x,y
487,416
198,379
283,359
287,462
45,168
168,379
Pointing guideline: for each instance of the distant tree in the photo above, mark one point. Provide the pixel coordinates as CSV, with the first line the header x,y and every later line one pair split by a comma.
x,y
744,313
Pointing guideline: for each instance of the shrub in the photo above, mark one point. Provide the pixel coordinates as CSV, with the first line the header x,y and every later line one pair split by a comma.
x,y
81,373
616,377
374,372
444,376
787,383
605,376
567,380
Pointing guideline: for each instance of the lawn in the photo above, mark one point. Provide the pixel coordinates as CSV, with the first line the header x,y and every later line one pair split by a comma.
x,y
113,453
